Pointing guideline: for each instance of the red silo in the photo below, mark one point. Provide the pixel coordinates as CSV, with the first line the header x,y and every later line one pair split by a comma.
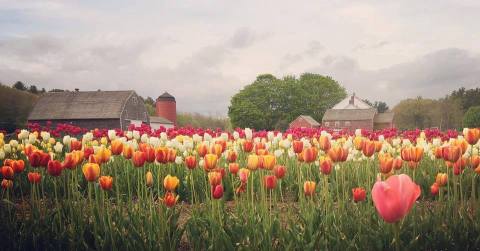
x,y
166,107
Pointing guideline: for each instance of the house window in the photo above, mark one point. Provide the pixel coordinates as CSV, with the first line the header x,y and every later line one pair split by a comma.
x,y
337,124
327,123
134,100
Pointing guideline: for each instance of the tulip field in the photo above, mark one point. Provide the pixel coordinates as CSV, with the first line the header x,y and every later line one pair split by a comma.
x,y
67,188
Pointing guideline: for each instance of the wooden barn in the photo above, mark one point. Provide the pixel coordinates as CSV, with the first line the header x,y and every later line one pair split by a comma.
x,y
90,109
353,113
304,121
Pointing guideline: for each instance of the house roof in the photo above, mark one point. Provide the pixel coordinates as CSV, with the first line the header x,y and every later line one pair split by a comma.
x,y
80,105
349,114
166,96
310,120
386,117
352,102
161,120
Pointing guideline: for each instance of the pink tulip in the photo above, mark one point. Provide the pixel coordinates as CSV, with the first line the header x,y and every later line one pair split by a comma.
x,y
394,197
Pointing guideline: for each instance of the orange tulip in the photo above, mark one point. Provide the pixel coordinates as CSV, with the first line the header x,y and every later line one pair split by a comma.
x,y
202,149
7,172
297,146
309,188
170,199
214,178
170,183
222,143
149,154
34,178
338,154
397,163
358,143
7,184
161,155
324,143
191,162
231,156
18,166
439,152
474,161
94,159
260,148
210,161
216,149
29,149
269,161
139,158
149,179
451,153
310,154
247,146
261,152
106,182
368,148
441,179
127,151
463,144
103,155
252,162
117,147
386,164
472,135
378,146
172,154
91,171
233,168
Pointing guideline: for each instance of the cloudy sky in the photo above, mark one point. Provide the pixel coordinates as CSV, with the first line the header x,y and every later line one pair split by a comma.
x,y
203,52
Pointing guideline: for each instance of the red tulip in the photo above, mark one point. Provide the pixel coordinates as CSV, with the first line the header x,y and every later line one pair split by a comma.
x,y
18,166
247,146
7,172
270,181
217,192
106,182
395,197
297,146
368,148
451,153
279,171
54,168
231,156
170,199
359,194
7,184
326,165
472,136
434,189
34,178
139,158
191,162
233,168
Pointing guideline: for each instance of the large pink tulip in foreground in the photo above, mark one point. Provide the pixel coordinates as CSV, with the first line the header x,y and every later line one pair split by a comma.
x,y
395,197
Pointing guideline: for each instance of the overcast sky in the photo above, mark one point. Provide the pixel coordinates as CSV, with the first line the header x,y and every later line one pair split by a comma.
x,y
203,52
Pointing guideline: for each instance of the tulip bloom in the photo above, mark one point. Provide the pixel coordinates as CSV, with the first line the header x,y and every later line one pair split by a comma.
x,y
252,161
434,189
324,143
191,162
397,163
310,154
214,178
368,148
359,194
127,151
231,156
217,192
171,155
326,165
117,147
451,153
18,166
7,172
106,182
54,167
149,179
338,154
233,168
297,146
386,164
394,197
34,178
87,151
472,136
269,161
75,145
202,149
474,161
216,149
309,188
279,171
247,146
270,181
243,174
358,143
91,171
210,161
169,199
139,158
103,155
441,179
149,154
170,183
7,184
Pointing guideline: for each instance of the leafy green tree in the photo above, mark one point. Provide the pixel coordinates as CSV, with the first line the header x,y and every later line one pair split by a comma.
x,y
467,98
472,117
19,85
15,105
33,89
272,103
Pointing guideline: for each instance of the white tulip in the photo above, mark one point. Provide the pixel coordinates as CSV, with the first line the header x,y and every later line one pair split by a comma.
x,y
58,147
248,133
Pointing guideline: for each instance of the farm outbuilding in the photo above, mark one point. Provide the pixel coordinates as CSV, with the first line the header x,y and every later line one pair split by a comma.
x,y
305,122
90,109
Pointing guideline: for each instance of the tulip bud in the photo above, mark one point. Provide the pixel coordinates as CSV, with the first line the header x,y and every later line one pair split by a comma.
x,y
217,192
434,189
106,182
270,181
309,188
149,179
359,194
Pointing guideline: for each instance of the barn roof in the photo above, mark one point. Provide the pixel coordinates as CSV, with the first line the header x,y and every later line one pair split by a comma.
x,y
80,105
386,117
310,120
349,114
161,120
